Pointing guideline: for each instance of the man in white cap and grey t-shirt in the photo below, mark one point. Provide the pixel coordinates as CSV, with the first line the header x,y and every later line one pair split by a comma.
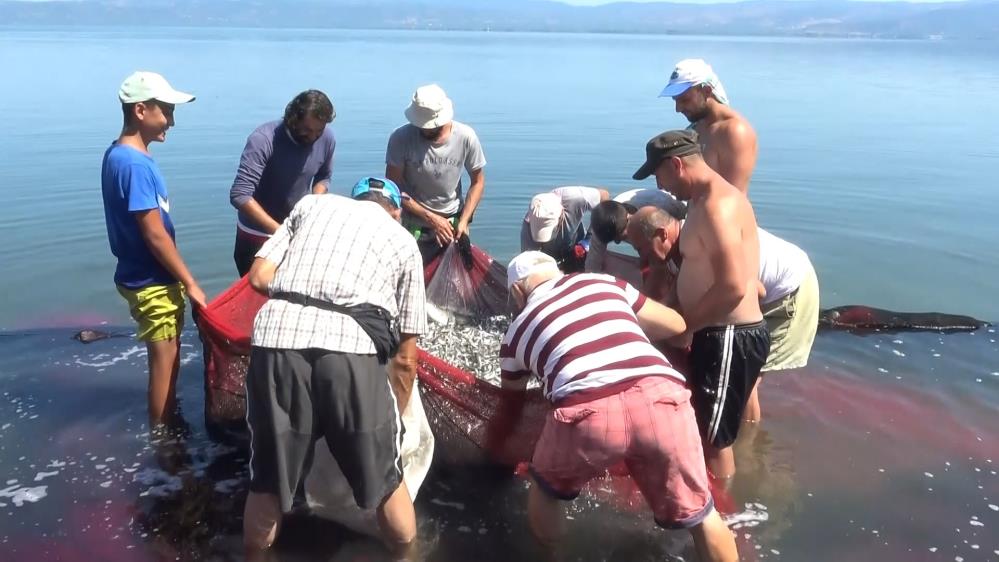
x,y
425,158
728,141
554,223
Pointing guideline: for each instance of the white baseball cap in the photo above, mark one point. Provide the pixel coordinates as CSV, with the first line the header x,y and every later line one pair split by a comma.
x,y
430,108
693,72
544,216
526,264
144,86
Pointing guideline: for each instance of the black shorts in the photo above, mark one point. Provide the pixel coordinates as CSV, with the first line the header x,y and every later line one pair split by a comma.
x,y
294,397
725,362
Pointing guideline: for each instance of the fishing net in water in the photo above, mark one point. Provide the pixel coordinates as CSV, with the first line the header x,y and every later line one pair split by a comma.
x,y
225,325
465,412
465,281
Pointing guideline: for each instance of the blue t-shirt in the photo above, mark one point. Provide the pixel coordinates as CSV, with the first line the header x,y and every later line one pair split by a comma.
x,y
131,182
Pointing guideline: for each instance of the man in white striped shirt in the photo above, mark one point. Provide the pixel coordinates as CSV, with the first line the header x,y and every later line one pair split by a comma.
x,y
614,397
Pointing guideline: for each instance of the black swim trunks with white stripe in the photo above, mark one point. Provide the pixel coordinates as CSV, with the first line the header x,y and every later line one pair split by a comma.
x,y
725,362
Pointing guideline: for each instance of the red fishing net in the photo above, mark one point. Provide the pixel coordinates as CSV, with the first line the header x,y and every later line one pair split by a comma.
x,y
225,325
473,421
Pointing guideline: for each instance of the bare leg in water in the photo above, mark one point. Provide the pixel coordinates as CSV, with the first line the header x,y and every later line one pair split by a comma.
x,y
164,363
720,462
397,521
714,541
753,413
261,524
544,514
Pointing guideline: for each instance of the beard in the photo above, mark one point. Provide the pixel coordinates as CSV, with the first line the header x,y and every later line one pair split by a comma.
x,y
432,135
303,140
696,115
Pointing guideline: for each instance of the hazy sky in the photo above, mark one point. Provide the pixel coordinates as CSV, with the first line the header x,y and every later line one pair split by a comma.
x,y
598,2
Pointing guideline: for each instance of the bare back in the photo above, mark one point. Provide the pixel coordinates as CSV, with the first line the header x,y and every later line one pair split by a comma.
x,y
721,250
729,146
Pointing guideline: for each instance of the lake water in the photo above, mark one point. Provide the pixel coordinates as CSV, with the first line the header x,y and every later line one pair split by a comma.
x,y
876,157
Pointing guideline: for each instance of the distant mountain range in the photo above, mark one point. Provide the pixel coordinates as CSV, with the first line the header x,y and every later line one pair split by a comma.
x,y
972,19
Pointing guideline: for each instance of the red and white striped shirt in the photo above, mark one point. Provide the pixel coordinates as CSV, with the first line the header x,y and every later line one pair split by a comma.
x,y
580,332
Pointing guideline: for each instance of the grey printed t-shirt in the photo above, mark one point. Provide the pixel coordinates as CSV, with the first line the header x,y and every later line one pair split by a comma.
x,y
432,174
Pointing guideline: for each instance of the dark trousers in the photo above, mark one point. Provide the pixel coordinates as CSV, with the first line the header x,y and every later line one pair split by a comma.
x,y
244,252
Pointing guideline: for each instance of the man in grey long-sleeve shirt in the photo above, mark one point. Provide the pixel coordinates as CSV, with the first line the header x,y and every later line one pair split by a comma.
x,y
282,162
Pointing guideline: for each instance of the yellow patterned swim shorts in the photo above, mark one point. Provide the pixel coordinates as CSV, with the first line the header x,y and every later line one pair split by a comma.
x,y
158,309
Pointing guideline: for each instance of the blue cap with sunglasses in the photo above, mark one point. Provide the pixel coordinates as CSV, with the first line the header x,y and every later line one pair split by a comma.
x,y
383,186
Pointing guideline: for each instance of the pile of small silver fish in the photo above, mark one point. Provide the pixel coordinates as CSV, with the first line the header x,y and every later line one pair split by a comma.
x,y
470,344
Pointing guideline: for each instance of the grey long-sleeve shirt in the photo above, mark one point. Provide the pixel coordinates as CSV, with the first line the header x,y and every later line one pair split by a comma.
x,y
277,172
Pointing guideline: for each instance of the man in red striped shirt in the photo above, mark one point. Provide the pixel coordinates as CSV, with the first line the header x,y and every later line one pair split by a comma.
x,y
614,397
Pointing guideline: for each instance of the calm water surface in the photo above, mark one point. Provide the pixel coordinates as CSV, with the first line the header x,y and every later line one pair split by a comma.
x,y
876,157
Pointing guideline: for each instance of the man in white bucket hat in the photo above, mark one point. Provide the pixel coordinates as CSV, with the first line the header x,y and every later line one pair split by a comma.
x,y
728,141
425,158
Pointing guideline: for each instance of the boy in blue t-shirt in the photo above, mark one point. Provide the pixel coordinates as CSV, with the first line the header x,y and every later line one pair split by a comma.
x,y
150,274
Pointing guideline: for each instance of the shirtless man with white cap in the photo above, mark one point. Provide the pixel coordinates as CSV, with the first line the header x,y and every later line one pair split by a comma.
x,y
728,141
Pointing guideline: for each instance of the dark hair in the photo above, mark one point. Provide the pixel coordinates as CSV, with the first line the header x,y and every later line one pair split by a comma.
x,y
127,112
376,197
608,220
309,102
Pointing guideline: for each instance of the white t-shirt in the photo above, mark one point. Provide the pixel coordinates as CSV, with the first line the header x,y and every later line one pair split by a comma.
x,y
577,200
783,266
658,198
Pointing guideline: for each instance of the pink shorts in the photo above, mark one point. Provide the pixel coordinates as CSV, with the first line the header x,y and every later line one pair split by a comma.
x,y
649,425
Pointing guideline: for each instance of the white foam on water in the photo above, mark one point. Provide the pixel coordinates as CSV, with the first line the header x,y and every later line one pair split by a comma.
x,y
43,475
455,505
227,486
19,495
189,356
123,356
897,352
882,370
160,484
752,516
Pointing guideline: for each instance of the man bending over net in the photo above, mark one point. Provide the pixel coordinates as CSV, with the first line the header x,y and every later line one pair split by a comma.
x,y
614,398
